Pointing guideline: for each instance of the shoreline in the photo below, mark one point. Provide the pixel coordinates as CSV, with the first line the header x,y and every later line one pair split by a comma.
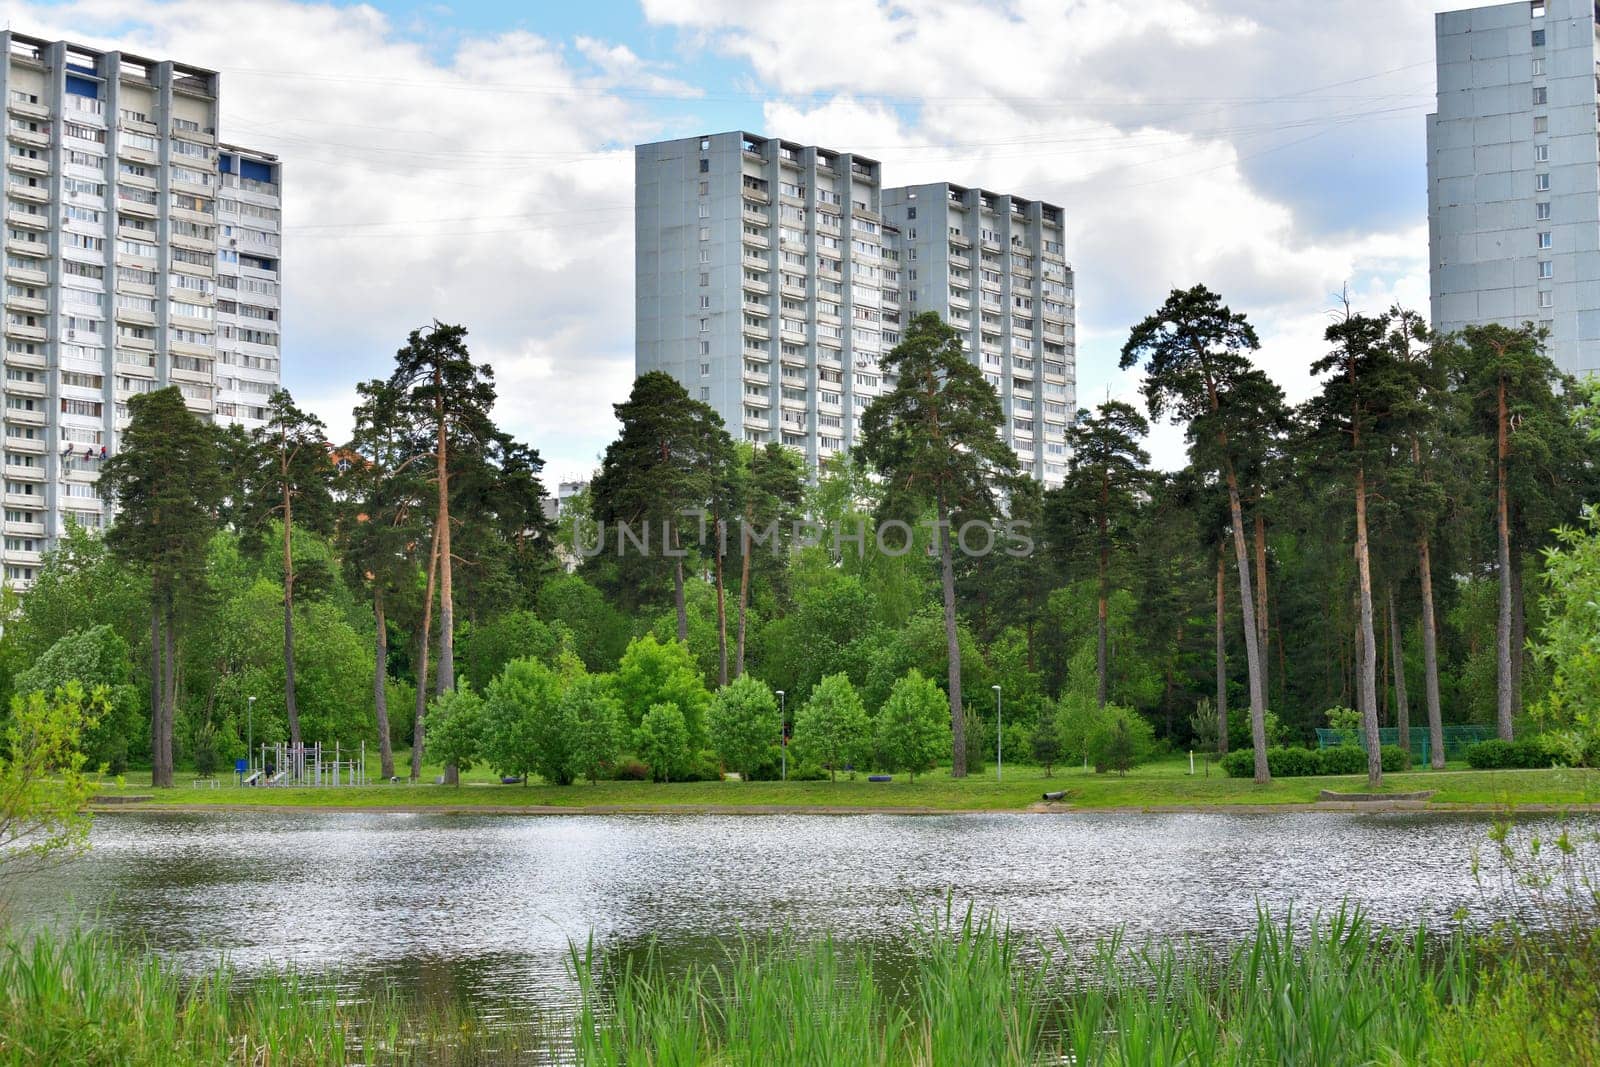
x,y
1406,807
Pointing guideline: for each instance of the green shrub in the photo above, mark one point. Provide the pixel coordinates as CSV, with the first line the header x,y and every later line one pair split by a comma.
x,y
1343,759
1395,759
1496,755
630,770
807,772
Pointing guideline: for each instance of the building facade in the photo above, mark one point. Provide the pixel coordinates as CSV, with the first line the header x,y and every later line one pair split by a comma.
x,y
772,276
994,266
1514,174
123,220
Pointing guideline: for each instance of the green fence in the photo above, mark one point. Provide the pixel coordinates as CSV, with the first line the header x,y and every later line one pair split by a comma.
x,y
1456,740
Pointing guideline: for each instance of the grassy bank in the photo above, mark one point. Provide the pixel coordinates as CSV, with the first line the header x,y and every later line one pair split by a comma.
x,y
1165,784
1335,993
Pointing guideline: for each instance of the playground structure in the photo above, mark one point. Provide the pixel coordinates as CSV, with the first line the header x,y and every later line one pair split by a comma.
x,y
284,764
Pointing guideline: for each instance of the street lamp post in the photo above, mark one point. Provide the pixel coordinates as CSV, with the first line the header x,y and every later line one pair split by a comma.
x,y
998,765
249,728
783,737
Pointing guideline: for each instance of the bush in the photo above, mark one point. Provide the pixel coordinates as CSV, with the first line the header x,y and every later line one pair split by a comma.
x,y
1343,759
630,770
1395,759
1286,762
745,725
704,767
1496,755
808,772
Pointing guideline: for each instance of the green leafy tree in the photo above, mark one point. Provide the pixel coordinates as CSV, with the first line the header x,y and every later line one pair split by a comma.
x,y
44,788
1121,739
485,648
913,728
288,476
596,718
668,459
662,741
832,728
771,488
1196,357
744,724
1044,739
168,487
97,659
935,440
1513,398
456,727
523,729
599,631
1569,640
653,672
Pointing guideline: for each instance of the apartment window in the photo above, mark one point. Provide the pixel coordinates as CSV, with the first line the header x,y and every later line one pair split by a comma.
x,y
705,303
1537,8
705,233
1538,38
1541,153
1541,124
1541,183
705,211
705,166
1541,95
1547,269
705,255
705,348
1538,68
1546,299
1544,240
705,325
705,187
705,390
705,278
705,370
1541,210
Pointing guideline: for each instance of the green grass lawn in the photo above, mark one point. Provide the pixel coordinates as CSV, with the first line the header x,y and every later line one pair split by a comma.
x,y
1166,783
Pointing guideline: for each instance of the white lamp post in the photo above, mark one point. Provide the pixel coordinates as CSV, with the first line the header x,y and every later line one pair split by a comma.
x,y
997,734
783,737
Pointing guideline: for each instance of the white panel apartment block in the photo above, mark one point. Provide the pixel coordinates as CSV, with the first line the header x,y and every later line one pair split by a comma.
x,y
114,183
771,276
1514,174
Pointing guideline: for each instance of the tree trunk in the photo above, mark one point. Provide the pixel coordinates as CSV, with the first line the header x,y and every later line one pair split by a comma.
x,y
1402,710
1519,635
1263,630
677,589
1503,701
291,708
722,608
1101,623
160,752
380,692
447,608
1252,643
958,722
417,725
169,696
1430,658
1222,656
744,590
1367,664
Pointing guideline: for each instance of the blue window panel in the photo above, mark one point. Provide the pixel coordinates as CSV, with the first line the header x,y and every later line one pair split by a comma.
x,y
83,87
261,172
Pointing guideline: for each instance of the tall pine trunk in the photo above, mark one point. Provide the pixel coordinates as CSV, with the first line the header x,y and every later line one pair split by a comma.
x,y
290,705
447,607
1430,657
1519,633
744,590
423,648
677,587
1402,710
1366,664
1503,698
380,692
160,749
1222,654
952,643
722,608
1252,636
169,695
1263,630
1101,612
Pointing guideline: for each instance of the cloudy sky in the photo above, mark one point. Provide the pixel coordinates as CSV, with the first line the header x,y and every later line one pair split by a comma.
x,y
472,161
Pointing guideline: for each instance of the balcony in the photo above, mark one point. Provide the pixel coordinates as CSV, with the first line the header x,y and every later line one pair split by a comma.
x,y
25,274
753,423
29,165
25,529
38,194
22,332
31,445
27,303
20,473
25,388
23,107
760,333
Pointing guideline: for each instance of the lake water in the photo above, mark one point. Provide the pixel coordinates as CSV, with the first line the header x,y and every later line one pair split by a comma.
x,y
485,905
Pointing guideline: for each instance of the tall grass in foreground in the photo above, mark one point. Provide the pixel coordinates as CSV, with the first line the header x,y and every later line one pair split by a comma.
x,y
1330,992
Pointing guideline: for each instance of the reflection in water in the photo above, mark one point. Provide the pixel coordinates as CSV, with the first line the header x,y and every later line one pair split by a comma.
x,y
486,905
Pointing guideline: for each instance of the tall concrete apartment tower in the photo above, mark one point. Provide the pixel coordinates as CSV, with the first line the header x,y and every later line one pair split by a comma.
x,y
1514,173
994,266
771,277
123,220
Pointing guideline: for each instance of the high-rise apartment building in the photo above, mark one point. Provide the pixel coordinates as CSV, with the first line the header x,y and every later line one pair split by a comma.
x,y
771,277
123,219
1514,173
994,266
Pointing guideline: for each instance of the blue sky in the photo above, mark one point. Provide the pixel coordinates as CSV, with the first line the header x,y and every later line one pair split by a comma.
x,y
472,161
